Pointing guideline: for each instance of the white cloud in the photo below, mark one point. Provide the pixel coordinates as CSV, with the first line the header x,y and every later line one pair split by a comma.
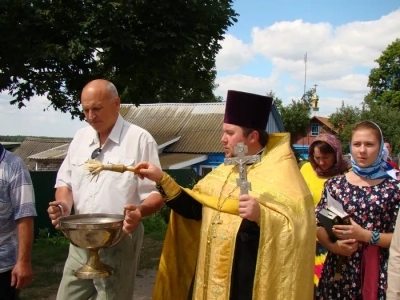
x,y
35,119
357,43
290,40
257,85
335,57
330,104
291,88
233,55
351,84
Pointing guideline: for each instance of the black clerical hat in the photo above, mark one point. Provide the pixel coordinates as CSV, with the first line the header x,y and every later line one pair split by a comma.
x,y
247,110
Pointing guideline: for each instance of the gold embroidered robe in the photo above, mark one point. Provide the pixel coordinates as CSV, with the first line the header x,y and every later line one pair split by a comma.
x,y
285,260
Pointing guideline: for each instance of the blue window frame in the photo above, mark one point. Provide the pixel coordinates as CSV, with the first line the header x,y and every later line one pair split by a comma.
x,y
314,129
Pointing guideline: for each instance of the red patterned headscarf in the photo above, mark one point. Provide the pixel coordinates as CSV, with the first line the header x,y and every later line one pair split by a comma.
x,y
341,166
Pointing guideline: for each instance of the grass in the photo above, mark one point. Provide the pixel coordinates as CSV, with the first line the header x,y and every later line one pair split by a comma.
x,y
47,263
49,255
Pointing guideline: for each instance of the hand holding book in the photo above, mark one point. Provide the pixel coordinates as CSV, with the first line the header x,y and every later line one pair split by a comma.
x,y
352,231
333,215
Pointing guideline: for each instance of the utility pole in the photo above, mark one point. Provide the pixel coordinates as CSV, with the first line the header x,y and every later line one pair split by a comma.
x,y
305,73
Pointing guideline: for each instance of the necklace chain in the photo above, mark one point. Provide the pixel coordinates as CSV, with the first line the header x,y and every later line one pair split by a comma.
x,y
216,218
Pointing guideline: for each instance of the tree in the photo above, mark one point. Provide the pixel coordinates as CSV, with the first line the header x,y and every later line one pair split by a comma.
x,y
154,51
384,80
386,116
388,119
343,120
296,115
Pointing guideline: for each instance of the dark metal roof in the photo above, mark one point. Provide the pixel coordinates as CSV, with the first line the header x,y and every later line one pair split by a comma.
x,y
169,159
199,125
57,153
34,145
10,145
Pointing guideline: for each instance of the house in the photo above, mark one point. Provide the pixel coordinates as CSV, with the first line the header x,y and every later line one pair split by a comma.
x,y
34,145
188,135
316,126
10,146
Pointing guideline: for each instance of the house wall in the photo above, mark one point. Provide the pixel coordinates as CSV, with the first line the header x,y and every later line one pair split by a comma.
x,y
48,165
213,161
301,150
309,138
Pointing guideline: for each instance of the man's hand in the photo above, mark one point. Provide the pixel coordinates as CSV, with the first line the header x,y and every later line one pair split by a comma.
x,y
345,247
54,212
133,216
21,275
150,171
249,208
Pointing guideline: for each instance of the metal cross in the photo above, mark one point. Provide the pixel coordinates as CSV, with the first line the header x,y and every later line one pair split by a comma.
x,y
241,161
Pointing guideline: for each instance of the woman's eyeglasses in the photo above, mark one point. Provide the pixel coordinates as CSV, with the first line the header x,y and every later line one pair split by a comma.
x,y
96,153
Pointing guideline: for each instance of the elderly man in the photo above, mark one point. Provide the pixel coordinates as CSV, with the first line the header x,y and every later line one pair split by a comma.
x,y
17,209
225,243
111,140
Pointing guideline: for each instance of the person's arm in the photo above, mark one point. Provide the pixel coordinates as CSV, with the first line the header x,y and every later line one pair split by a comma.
x,y
181,203
150,205
22,274
355,231
186,206
342,247
393,290
173,195
63,195
23,202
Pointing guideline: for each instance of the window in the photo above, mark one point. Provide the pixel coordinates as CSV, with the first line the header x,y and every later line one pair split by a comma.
x,y
314,129
204,170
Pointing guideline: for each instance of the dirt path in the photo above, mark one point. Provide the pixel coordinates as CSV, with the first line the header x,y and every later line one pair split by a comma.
x,y
143,286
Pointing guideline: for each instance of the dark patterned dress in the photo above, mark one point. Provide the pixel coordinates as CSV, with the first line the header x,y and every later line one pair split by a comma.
x,y
374,208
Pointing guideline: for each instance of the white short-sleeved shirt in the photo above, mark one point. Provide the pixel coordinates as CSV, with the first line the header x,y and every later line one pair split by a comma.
x,y
127,144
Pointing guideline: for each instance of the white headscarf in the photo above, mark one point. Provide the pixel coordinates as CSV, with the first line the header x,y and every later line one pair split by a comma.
x,y
385,153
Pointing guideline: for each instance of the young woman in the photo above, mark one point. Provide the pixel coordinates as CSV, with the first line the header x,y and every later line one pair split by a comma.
x,y
371,198
326,161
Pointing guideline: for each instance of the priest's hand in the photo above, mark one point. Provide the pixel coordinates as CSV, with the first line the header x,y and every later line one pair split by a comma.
x,y
150,171
249,208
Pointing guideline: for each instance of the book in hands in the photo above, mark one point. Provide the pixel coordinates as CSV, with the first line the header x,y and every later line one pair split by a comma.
x,y
334,214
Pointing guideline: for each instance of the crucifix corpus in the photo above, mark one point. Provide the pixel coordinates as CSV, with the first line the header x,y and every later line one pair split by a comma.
x,y
241,161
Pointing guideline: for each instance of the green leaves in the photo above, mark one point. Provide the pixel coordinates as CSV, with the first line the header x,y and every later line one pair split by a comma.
x,y
296,115
154,51
384,80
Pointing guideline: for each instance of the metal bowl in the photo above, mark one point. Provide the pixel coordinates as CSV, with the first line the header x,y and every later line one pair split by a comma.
x,y
92,232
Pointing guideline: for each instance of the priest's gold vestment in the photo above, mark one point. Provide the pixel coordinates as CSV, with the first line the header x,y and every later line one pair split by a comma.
x,y
285,261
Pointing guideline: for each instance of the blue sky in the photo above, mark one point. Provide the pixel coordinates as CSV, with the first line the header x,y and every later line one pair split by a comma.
x,y
265,50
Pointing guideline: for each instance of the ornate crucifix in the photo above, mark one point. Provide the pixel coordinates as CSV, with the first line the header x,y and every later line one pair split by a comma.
x,y
241,161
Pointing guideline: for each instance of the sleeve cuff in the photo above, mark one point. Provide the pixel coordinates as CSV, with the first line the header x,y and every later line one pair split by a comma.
x,y
168,188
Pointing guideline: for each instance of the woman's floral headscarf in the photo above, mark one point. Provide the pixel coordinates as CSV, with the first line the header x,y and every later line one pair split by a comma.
x,y
341,165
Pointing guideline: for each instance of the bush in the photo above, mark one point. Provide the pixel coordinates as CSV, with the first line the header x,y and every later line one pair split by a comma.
x,y
45,238
154,224
164,213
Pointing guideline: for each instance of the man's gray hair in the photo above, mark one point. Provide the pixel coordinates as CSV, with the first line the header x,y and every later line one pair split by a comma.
x,y
112,90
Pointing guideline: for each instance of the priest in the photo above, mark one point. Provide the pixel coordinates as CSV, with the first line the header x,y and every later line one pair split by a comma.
x,y
252,241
